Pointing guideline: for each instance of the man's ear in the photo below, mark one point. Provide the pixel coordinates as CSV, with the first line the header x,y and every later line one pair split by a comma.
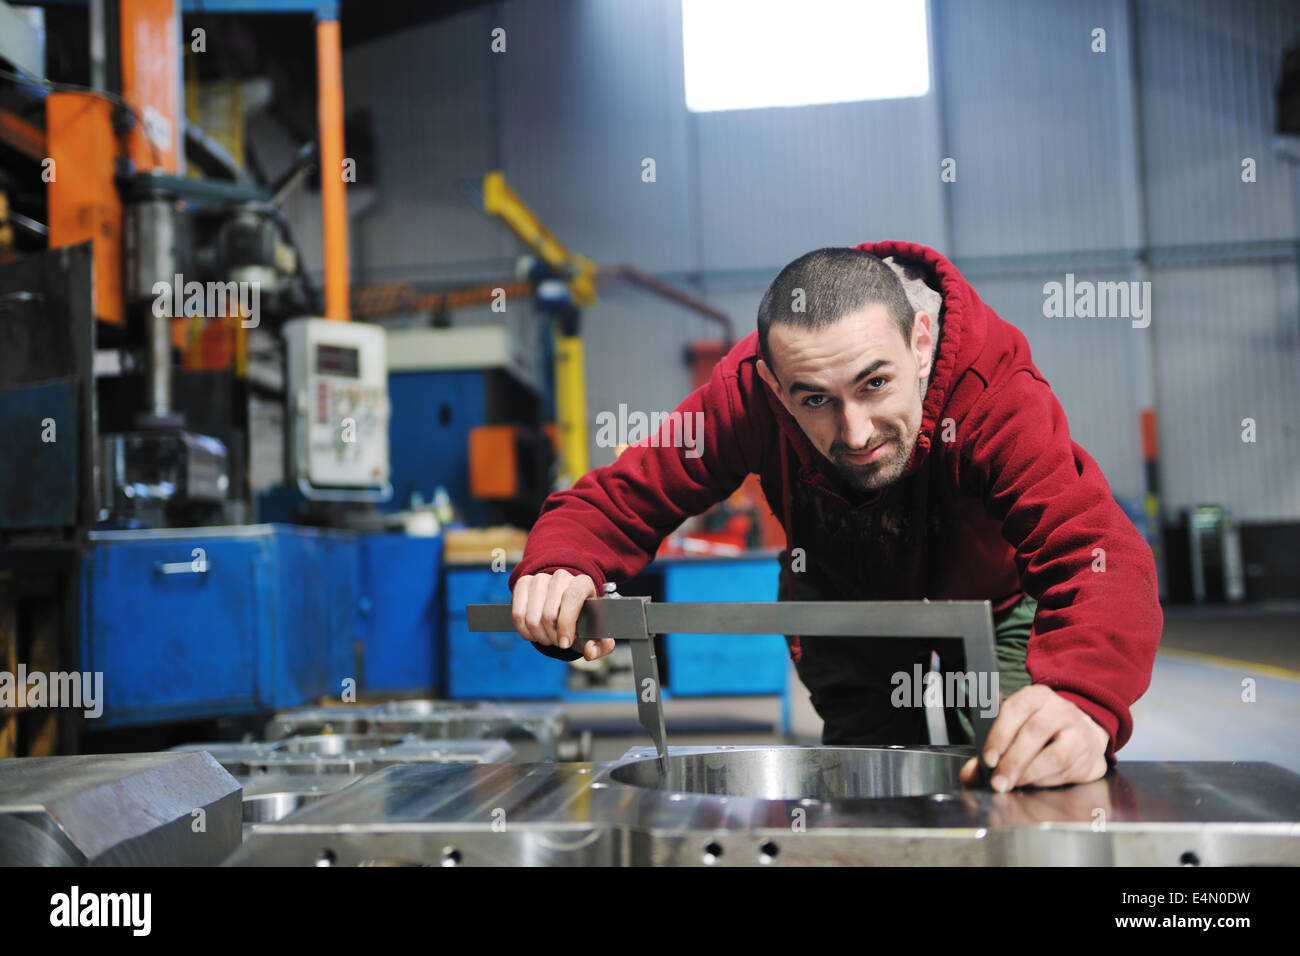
x,y
923,344
766,375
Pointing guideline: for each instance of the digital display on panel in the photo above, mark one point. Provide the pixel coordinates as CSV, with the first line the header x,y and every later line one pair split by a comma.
x,y
338,360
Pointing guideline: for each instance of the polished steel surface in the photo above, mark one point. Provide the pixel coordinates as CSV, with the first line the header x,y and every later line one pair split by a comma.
x,y
347,753
277,804
334,744
776,773
271,797
117,809
433,719
754,809
637,619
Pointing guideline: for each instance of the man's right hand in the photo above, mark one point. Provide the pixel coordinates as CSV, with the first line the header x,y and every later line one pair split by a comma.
x,y
545,610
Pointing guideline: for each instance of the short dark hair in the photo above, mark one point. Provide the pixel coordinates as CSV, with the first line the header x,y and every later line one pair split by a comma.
x,y
834,282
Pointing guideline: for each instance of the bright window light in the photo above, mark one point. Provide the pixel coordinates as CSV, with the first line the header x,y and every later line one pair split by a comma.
x,y
745,54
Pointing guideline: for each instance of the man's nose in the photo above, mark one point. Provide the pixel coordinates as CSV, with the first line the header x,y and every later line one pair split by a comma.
x,y
856,428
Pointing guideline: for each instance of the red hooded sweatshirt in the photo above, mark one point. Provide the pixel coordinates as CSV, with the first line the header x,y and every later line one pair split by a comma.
x,y
996,501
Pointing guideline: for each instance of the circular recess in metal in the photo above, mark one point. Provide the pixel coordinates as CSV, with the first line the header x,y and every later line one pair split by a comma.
x,y
334,744
812,773
421,708
269,807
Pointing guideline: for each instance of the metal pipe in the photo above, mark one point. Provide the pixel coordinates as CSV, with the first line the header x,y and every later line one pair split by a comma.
x,y
661,288
334,208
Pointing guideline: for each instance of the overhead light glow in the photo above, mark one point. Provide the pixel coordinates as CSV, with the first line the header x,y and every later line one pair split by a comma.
x,y
747,54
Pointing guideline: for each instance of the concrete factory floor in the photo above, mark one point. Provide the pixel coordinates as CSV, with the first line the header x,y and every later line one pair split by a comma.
x,y
1194,709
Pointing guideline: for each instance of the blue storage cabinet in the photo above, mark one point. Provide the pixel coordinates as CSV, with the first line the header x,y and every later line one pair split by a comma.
x,y
262,618
313,586
710,664
173,646
497,666
399,614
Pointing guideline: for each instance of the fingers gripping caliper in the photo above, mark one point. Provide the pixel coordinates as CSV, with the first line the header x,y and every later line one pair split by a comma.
x,y
623,619
637,620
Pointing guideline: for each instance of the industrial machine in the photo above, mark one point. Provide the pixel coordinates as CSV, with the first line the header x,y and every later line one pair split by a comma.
x,y
468,414
139,258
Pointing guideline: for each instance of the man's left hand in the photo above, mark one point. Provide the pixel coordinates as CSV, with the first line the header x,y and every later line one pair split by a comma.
x,y
1041,739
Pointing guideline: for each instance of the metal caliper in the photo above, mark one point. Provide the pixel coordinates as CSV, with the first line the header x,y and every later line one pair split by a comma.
x,y
638,620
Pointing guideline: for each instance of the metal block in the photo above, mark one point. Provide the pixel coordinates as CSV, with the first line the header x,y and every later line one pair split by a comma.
x,y
431,719
117,810
347,753
790,805
273,797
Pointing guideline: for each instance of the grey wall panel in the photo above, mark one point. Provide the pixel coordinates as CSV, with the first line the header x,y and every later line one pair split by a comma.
x,y
635,356
1032,122
431,94
1227,349
1208,74
590,90
775,183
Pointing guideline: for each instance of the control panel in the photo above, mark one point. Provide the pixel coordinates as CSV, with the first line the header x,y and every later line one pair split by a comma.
x,y
336,388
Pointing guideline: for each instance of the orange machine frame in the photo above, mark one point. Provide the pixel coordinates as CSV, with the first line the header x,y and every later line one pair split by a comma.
x,y
83,198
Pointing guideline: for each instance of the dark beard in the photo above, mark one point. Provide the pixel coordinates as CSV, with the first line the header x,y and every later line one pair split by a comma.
x,y
876,475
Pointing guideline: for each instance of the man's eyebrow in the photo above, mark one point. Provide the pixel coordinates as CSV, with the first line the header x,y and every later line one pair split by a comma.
x,y
865,373
805,387
871,369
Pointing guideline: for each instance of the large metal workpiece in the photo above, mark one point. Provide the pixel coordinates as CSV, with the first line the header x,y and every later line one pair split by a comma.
x,y
324,754
431,719
789,805
149,809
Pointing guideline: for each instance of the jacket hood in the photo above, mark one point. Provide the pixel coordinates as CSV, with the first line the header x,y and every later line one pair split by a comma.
x,y
964,329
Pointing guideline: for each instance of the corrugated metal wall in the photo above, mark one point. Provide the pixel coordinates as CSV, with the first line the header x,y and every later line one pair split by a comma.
x,y
1227,317
1048,170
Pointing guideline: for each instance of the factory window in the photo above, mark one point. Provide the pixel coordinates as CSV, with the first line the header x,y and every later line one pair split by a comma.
x,y
745,54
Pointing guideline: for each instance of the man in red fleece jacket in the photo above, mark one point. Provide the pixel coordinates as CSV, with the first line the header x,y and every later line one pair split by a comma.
x,y
908,455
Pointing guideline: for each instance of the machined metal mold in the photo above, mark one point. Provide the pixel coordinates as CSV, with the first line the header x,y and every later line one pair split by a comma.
x,y
431,719
347,753
789,805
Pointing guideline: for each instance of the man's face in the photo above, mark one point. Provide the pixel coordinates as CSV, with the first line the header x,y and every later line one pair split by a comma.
x,y
855,389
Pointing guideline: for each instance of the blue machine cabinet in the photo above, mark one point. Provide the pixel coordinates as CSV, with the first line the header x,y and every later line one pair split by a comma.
x,y
428,434
709,664
193,623
505,666
499,666
399,614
